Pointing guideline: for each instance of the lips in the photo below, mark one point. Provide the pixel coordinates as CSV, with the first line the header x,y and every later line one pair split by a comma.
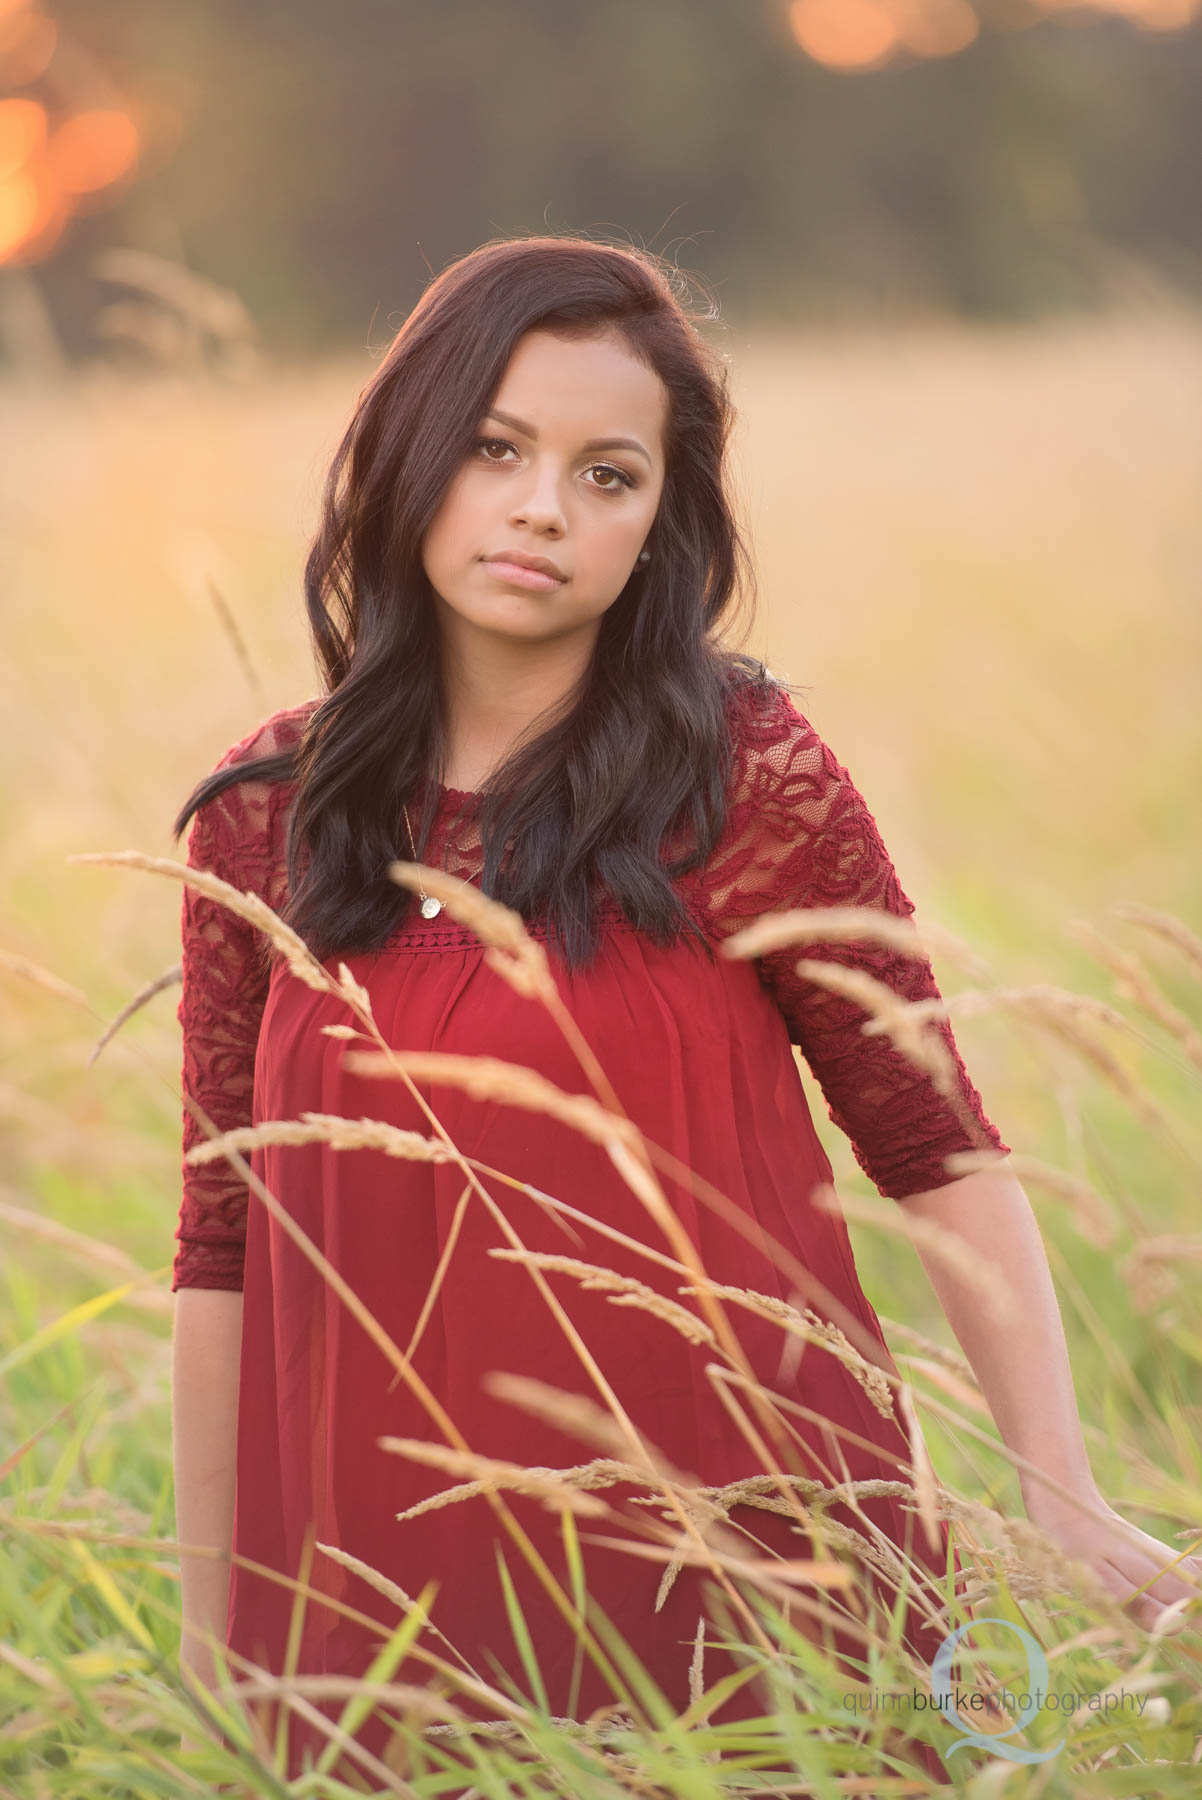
x,y
523,560
533,572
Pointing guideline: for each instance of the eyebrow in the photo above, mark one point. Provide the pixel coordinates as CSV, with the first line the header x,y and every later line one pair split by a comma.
x,y
610,443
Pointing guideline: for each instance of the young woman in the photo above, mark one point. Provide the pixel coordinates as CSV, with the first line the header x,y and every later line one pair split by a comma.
x,y
524,563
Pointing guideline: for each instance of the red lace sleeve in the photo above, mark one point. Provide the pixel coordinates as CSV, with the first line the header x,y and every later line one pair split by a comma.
x,y
226,973
805,838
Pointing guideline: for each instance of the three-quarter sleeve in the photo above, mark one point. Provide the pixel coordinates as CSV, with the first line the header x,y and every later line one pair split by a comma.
x,y
816,844
225,982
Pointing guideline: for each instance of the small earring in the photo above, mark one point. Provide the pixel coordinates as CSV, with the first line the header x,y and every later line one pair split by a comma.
x,y
644,556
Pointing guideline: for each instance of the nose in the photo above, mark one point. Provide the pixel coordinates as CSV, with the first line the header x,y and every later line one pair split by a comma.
x,y
538,504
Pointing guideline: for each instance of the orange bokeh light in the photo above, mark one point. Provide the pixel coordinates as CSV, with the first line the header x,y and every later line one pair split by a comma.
x,y
27,42
1149,15
18,210
844,34
865,34
23,127
936,27
33,214
46,174
91,150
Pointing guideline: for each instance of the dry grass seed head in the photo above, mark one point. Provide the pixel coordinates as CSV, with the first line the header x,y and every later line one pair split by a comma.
x,y
1064,1015
759,1491
580,1417
623,1290
1134,982
1152,1268
1166,926
905,1021
53,984
823,924
600,1473
489,1078
325,1128
489,1473
813,1329
248,906
171,977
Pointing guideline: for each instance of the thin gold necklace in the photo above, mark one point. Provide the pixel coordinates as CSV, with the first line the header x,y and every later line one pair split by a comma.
x,y
430,906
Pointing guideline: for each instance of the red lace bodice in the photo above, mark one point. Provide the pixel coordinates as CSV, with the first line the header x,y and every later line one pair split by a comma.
x,y
798,834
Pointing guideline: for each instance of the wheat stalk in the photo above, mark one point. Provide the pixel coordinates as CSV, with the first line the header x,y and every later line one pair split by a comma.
x,y
623,1290
248,906
823,924
815,1330
28,970
489,1472
1163,925
490,1078
1135,983
334,1129
584,1477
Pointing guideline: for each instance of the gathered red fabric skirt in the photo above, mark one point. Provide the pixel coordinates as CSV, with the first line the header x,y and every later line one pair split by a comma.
x,y
699,1058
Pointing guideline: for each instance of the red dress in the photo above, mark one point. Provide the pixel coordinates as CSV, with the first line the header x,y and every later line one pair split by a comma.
x,y
697,1049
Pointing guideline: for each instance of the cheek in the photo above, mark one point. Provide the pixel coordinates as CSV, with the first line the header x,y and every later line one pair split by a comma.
x,y
448,525
614,540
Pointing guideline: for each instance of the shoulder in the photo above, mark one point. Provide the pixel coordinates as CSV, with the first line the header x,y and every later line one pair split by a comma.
x,y
800,832
763,715
240,831
779,755
280,731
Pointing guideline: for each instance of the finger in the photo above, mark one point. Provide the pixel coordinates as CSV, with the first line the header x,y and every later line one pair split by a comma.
x,y
1131,1573
1191,1571
1182,1614
1147,1567
1120,1584
1187,1578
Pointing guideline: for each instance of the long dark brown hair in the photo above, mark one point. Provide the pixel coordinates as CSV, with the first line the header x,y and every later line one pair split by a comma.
x,y
639,750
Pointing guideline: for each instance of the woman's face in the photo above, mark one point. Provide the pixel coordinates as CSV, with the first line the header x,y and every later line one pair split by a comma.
x,y
544,481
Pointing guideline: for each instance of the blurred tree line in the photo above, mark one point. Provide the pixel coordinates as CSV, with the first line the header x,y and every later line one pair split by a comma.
x,y
328,157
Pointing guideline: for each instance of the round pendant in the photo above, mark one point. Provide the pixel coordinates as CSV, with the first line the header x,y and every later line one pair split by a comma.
x,y
431,907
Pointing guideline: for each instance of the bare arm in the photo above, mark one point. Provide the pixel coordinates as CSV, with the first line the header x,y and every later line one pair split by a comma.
x,y
204,1392
1023,1367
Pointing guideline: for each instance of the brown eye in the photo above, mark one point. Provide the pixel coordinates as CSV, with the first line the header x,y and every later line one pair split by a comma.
x,y
613,487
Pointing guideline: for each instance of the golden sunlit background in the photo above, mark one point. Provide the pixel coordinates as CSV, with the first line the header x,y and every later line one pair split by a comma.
x,y
956,247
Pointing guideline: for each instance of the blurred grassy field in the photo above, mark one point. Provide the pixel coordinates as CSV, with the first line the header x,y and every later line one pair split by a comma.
x,y
979,552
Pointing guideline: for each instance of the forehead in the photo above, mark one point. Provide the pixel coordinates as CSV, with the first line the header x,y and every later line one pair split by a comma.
x,y
590,385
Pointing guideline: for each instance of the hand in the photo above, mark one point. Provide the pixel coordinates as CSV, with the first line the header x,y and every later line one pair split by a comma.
x,y
1124,1558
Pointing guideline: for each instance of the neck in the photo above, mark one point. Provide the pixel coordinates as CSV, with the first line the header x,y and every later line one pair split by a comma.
x,y
498,692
